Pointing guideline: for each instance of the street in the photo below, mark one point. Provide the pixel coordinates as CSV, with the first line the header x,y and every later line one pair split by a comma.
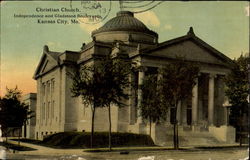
x,y
192,154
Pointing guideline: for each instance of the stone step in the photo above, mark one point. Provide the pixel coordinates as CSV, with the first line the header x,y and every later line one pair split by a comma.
x,y
193,139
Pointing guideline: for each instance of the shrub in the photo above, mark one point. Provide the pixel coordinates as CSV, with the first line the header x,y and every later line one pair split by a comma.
x,y
82,140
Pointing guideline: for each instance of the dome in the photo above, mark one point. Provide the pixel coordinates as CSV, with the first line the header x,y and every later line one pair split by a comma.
x,y
124,21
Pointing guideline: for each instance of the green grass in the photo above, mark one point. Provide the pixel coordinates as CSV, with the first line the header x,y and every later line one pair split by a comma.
x,y
16,147
222,147
100,140
128,149
27,140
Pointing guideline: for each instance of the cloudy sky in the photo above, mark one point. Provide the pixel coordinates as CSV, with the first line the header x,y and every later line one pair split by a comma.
x,y
224,25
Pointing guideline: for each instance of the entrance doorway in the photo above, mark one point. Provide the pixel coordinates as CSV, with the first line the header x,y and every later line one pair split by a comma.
x,y
189,114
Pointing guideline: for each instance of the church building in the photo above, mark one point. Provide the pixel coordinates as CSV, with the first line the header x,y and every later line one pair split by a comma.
x,y
202,119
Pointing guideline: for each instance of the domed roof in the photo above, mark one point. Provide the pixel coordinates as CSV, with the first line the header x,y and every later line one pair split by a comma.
x,y
124,21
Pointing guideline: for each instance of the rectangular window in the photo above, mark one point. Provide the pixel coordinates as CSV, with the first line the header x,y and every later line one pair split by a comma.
x,y
52,85
48,111
44,110
41,112
48,90
43,92
52,108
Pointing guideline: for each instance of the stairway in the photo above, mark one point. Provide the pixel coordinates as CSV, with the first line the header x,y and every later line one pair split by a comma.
x,y
189,138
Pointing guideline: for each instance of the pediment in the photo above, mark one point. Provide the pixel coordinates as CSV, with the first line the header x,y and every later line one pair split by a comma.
x,y
190,51
46,63
191,48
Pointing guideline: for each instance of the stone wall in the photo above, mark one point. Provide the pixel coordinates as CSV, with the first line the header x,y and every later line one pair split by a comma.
x,y
53,123
223,133
127,37
30,100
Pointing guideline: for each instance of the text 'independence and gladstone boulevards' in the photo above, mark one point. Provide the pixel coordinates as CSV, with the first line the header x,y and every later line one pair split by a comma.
x,y
88,12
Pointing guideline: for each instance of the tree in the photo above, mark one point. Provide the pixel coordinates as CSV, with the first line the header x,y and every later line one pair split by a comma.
x,y
102,84
115,79
14,113
85,83
151,106
237,91
176,82
237,83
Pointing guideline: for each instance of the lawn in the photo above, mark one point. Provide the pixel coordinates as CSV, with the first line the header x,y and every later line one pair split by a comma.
x,y
79,140
15,147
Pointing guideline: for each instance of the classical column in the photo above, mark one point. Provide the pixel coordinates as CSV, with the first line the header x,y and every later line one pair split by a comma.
x,y
184,112
130,91
195,103
179,111
226,116
141,75
223,119
40,102
159,77
132,99
211,99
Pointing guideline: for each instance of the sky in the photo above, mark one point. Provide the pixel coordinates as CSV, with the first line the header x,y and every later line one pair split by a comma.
x,y
223,25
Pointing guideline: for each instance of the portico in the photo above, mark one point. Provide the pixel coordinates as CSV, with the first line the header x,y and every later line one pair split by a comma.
x,y
199,110
202,113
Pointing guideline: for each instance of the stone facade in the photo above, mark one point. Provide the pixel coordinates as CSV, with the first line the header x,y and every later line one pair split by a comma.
x,y
201,116
28,130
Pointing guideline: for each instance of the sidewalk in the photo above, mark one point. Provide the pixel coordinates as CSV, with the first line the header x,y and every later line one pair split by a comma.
x,y
42,150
